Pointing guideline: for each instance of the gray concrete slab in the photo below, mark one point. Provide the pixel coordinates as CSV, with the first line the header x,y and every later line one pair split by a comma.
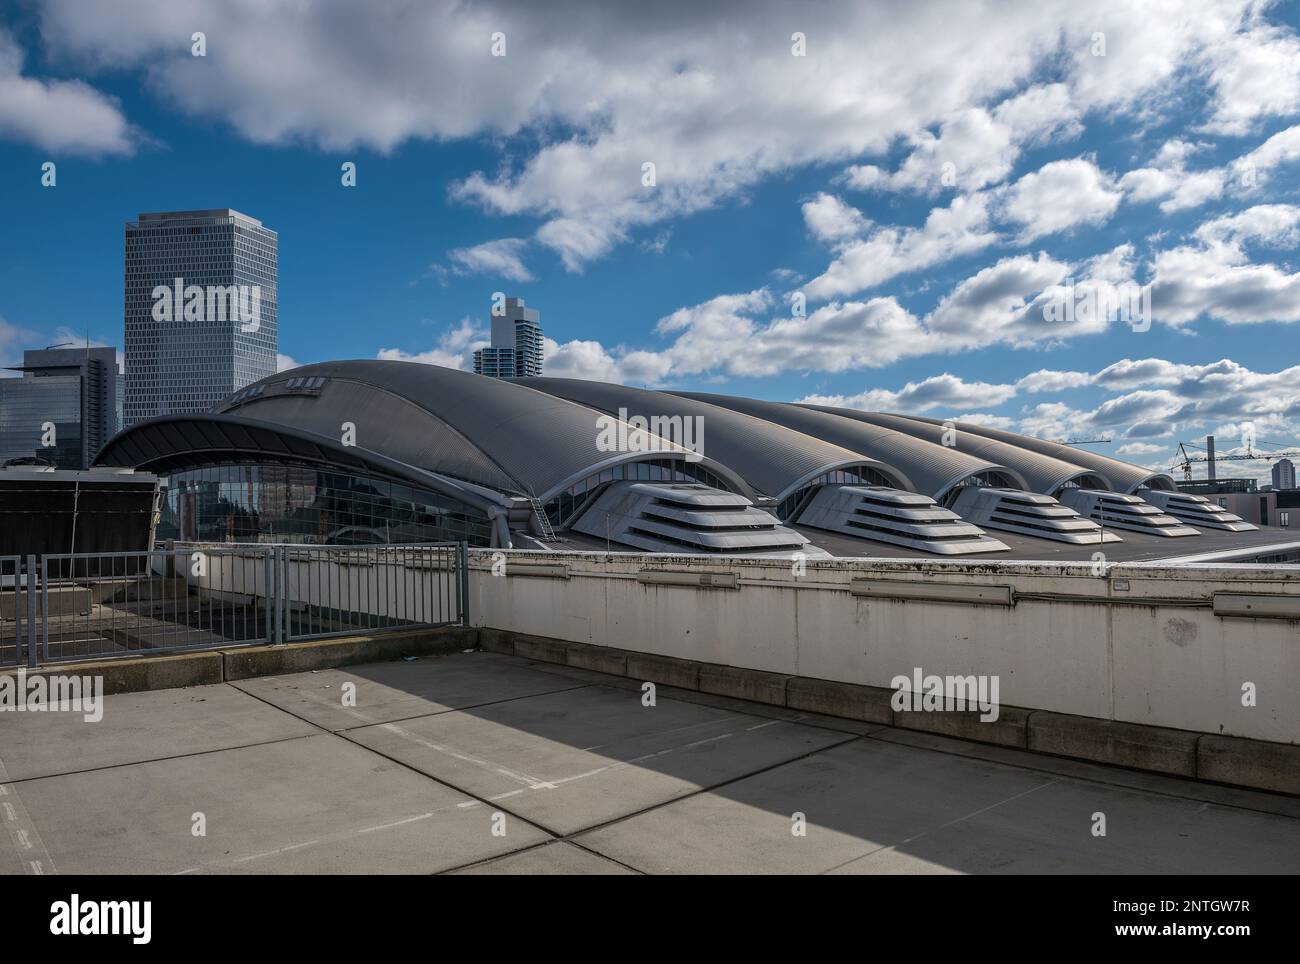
x,y
710,699
1050,831
551,860
705,784
315,805
575,759
140,726
401,690
872,806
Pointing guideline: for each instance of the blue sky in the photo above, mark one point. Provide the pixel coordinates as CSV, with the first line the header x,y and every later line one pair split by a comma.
x,y
928,177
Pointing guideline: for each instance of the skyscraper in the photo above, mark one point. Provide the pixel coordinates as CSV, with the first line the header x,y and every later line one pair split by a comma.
x,y
63,409
1284,474
516,350
200,309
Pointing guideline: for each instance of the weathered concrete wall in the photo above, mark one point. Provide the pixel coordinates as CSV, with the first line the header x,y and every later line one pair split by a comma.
x,y
1141,644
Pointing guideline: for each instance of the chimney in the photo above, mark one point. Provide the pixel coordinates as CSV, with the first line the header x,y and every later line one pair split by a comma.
x,y
1209,454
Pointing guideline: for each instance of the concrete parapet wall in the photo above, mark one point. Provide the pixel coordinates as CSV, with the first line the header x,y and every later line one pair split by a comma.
x,y
1140,644
1221,759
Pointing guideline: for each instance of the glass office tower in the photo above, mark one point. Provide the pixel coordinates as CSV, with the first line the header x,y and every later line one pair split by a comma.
x,y
201,300
70,397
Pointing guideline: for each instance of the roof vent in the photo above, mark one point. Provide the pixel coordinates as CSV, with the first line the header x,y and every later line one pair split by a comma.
x,y
893,516
686,518
1027,513
1196,509
1115,510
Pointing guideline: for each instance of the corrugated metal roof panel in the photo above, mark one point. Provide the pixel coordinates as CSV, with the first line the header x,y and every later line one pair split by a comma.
x,y
771,457
933,469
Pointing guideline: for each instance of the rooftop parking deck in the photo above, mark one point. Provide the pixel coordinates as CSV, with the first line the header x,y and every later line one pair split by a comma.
x,y
484,763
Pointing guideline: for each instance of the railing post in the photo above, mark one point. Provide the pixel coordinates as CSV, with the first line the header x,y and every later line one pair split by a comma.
x,y
462,551
268,588
31,610
280,555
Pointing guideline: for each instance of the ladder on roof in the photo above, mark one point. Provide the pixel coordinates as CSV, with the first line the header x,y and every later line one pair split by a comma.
x,y
543,523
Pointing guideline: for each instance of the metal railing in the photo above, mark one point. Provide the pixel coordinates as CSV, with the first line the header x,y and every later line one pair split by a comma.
x,y
340,590
14,618
191,596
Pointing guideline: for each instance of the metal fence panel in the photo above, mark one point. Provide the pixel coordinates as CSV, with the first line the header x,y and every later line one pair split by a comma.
x,y
96,605
203,596
13,610
344,590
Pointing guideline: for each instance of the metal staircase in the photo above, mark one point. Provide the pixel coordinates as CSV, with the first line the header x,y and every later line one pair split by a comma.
x,y
543,523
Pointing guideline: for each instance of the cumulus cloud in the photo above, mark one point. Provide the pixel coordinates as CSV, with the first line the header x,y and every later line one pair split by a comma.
x,y
711,95
60,116
1140,448
1169,181
500,258
939,391
1059,196
1215,278
976,147
831,220
960,228
454,349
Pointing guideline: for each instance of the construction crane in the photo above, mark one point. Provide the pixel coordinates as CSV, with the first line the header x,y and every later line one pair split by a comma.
x,y
1081,441
1250,455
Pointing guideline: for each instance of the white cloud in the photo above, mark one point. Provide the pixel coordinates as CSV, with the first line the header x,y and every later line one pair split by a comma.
x,y
1254,74
1044,380
1059,196
1178,188
455,347
938,391
500,258
59,116
1276,225
960,228
990,421
831,220
710,94
1141,448
1216,279
284,362
976,147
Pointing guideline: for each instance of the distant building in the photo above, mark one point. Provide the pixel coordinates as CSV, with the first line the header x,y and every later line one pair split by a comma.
x,y
1284,474
200,309
516,350
63,409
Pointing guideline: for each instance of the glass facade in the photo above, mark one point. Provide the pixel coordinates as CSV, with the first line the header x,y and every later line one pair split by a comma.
x,y
561,508
286,502
854,475
199,356
28,405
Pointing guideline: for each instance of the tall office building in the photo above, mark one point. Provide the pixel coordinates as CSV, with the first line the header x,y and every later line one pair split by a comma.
x,y
63,409
516,350
1284,474
201,309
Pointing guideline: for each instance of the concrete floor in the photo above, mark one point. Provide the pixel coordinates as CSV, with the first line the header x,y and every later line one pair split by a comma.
x,y
480,763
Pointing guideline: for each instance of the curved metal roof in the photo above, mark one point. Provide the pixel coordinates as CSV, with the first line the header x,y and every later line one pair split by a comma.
x,y
775,460
933,469
176,442
1040,472
1124,476
485,431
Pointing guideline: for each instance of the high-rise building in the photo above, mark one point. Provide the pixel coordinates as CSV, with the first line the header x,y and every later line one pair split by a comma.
x,y
516,350
63,409
1284,474
200,309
